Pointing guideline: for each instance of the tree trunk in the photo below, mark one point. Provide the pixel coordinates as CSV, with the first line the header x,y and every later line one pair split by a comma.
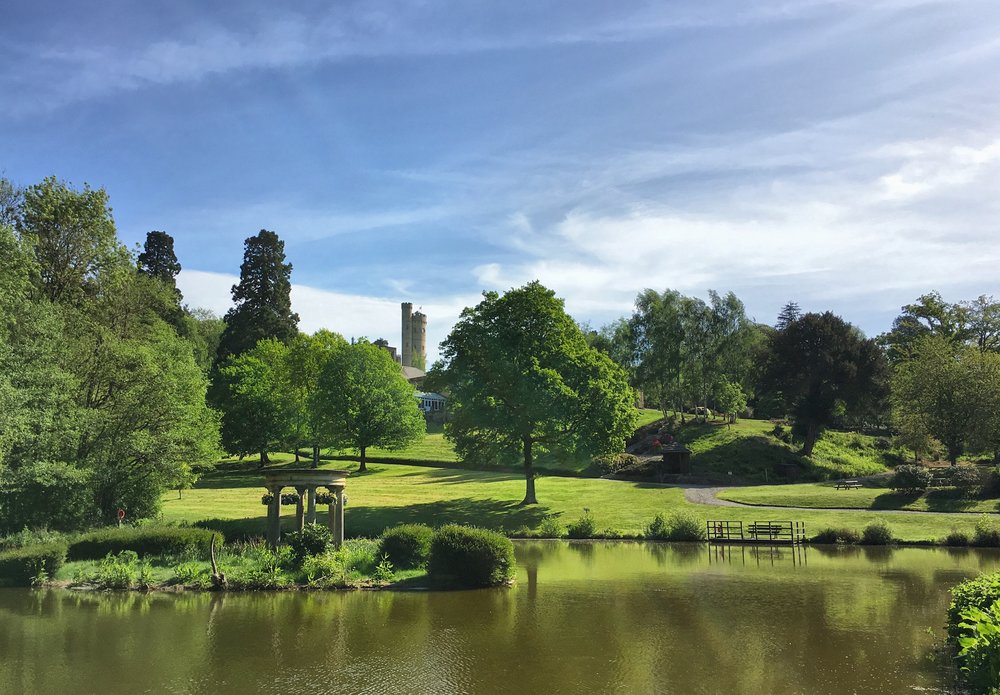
x,y
529,474
264,460
362,467
315,456
296,454
812,434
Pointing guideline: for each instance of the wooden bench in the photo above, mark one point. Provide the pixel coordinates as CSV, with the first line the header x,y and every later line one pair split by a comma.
x,y
770,530
848,484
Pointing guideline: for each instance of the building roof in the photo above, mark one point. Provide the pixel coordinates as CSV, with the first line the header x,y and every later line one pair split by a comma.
x,y
412,373
430,396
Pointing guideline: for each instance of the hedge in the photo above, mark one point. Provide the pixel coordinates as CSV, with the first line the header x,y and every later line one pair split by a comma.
x,y
22,565
144,541
407,546
471,557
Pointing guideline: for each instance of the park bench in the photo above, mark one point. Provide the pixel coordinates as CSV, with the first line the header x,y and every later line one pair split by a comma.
x,y
848,484
770,530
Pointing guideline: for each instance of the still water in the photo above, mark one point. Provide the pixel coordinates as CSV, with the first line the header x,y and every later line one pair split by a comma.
x,y
583,618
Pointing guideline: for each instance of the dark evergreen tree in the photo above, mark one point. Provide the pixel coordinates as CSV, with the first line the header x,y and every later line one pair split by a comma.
x,y
824,368
262,298
159,261
789,313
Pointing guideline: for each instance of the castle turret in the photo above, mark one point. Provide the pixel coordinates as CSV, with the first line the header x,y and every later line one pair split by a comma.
x,y
414,337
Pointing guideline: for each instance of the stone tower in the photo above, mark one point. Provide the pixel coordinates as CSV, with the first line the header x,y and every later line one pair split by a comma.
x,y
414,338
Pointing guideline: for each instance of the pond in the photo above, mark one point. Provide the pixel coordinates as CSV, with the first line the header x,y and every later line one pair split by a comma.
x,y
583,617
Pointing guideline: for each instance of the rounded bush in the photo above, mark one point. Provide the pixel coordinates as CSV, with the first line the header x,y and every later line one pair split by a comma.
x,y
911,478
987,534
968,479
957,538
313,539
831,536
584,527
407,546
471,557
876,533
21,565
612,463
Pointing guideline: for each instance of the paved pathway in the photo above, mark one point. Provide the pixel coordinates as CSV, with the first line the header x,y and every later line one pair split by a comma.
x,y
703,494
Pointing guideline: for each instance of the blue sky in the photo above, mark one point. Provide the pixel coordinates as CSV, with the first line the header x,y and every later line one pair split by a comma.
x,y
844,154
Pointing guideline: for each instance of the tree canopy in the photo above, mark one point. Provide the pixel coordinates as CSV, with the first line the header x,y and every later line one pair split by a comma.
x,y
822,366
159,261
365,401
521,379
104,405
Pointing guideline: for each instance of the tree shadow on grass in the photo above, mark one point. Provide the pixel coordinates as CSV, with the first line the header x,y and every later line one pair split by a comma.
x,y
895,500
371,521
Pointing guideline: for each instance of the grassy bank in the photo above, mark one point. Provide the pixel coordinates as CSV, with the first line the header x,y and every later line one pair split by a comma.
x,y
393,494
825,495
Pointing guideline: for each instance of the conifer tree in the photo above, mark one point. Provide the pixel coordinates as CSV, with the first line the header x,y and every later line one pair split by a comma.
x,y
262,298
159,261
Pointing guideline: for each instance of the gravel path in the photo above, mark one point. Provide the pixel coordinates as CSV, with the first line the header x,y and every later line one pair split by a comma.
x,y
702,494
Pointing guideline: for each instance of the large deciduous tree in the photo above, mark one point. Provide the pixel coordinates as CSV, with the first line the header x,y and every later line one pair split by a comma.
x,y
365,401
262,298
950,393
522,379
254,396
305,361
73,237
823,367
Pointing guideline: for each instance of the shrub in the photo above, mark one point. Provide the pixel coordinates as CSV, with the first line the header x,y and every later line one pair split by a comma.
x,y
843,536
987,534
261,569
979,656
407,546
324,570
384,571
21,566
981,592
190,573
910,478
471,556
991,485
551,528
967,479
684,526
360,555
679,526
122,571
612,463
584,527
657,529
957,538
876,533
150,540
313,539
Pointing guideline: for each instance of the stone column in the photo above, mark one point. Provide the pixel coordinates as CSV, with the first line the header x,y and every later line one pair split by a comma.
x,y
338,517
331,514
311,508
274,517
300,517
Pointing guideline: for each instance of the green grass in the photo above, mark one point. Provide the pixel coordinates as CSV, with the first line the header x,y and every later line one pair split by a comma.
x,y
825,495
393,494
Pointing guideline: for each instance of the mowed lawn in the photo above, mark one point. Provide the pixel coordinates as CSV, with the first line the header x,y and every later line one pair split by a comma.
x,y
434,448
391,494
826,495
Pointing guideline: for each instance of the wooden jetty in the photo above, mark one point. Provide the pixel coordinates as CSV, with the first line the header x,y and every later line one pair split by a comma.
x,y
756,532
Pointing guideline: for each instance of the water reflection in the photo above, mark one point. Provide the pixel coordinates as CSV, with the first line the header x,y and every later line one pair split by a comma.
x,y
583,617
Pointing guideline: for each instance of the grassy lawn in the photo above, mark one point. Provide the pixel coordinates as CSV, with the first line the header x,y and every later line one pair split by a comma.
x,y
825,495
394,494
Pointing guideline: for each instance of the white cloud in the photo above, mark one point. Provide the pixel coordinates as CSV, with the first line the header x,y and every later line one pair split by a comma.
x,y
353,316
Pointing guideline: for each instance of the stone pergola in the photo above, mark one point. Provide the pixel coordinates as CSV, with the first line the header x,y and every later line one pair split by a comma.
x,y
305,481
